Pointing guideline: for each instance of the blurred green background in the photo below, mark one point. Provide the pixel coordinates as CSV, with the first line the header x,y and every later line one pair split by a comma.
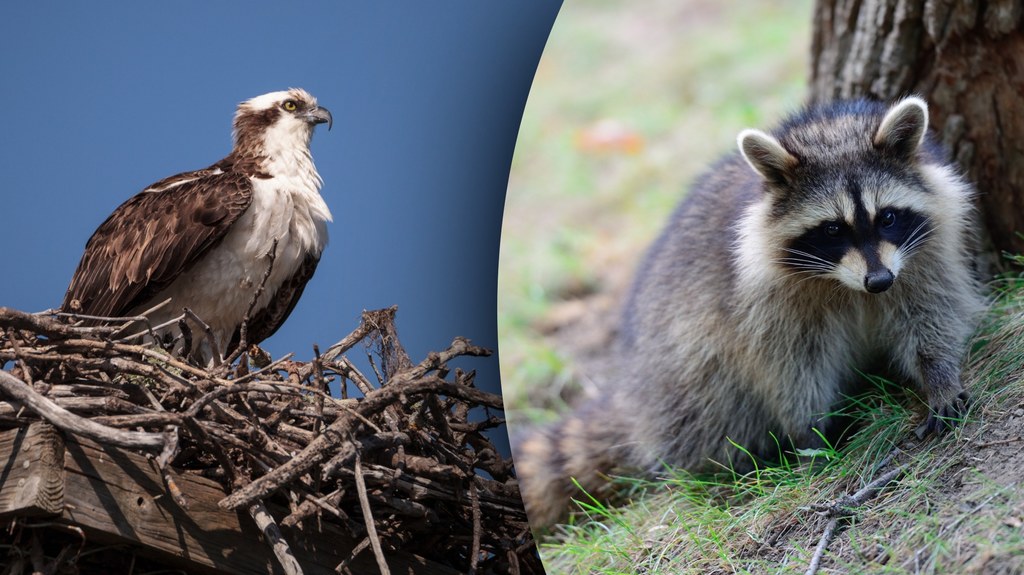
x,y
630,102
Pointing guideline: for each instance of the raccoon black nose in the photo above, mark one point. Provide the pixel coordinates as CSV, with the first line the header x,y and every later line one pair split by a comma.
x,y
878,281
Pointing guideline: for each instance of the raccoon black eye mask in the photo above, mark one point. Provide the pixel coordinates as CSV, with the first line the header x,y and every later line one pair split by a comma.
x,y
820,249
835,243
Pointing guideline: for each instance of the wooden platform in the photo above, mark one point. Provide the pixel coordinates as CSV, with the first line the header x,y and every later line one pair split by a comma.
x,y
117,497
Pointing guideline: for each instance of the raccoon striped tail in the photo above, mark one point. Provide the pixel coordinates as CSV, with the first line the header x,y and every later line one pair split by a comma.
x,y
585,446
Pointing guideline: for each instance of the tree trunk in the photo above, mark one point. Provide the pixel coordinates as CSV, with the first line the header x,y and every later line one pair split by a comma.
x,y
965,57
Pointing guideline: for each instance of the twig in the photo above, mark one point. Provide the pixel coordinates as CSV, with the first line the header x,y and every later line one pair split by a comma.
x,y
371,529
126,321
999,442
58,561
44,325
269,387
348,370
343,566
819,551
364,445
474,558
217,359
368,324
320,447
312,504
139,420
186,337
20,355
243,330
272,535
842,509
163,462
71,423
267,369
345,368
321,385
373,365
150,329
130,349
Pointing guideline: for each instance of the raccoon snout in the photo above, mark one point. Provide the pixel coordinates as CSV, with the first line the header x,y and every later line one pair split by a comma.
x,y
877,281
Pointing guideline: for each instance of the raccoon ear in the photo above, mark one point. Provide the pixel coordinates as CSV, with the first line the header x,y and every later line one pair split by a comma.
x,y
903,128
766,155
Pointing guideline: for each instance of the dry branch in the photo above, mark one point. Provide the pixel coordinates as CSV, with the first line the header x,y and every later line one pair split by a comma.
x,y
407,467
265,521
844,508
22,393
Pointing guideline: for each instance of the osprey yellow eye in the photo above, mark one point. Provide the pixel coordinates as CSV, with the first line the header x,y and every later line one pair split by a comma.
x,y
290,105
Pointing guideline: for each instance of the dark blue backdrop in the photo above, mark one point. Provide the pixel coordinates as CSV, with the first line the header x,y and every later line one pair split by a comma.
x,y
100,99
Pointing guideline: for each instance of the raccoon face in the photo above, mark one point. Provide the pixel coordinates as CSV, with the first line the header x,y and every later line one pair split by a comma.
x,y
864,247
841,197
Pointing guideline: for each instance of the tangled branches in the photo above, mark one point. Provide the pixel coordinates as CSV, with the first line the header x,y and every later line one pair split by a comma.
x,y
405,467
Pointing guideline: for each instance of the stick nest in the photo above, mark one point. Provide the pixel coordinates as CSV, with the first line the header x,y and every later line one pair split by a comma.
x,y
404,465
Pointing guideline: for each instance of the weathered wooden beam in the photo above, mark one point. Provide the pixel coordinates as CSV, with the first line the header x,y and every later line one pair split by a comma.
x,y
118,497
32,478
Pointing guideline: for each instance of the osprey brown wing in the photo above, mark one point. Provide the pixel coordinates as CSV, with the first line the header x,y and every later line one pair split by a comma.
x,y
152,238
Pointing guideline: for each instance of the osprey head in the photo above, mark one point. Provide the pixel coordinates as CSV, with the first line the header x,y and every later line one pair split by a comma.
x,y
284,120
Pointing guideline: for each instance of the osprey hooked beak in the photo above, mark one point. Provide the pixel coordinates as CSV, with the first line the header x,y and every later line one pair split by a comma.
x,y
319,115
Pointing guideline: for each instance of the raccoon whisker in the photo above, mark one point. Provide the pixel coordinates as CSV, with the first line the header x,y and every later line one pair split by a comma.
x,y
802,269
803,262
809,256
807,277
806,261
800,276
911,248
804,258
806,274
801,266
839,292
917,231
794,263
916,239
914,244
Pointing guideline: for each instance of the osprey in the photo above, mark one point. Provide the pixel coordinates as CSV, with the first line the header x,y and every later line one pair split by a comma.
x,y
204,240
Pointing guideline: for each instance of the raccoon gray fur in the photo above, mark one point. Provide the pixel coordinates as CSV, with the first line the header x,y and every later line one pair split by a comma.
x,y
840,243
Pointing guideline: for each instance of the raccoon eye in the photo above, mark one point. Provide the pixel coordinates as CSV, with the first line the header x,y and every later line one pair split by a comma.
x,y
832,229
888,218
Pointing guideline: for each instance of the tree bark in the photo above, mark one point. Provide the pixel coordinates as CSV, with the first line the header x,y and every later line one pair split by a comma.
x,y
965,57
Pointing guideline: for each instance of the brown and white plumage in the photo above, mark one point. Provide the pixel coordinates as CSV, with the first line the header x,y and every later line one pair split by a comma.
x,y
204,239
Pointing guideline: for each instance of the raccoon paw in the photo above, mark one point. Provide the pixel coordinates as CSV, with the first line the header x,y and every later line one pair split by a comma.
x,y
943,417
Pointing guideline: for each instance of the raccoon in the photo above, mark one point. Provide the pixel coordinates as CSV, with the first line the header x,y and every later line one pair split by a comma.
x,y
838,244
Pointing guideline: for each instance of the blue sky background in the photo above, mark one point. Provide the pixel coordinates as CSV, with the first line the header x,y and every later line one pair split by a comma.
x,y
101,99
